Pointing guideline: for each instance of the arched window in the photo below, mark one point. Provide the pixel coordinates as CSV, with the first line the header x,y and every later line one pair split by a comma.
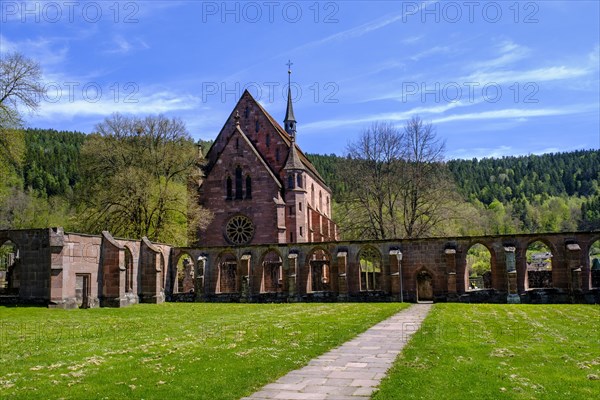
x,y
320,201
595,263
312,195
229,188
479,267
247,112
299,180
185,275
272,279
9,268
248,187
539,266
370,269
239,193
319,278
268,140
256,125
277,154
227,274
290,181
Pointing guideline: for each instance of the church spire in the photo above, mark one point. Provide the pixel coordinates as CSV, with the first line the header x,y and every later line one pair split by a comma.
x,y
290,121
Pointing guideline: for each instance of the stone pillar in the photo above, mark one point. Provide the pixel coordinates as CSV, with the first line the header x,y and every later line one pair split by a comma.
x,y
451,273
246,286
574,267
292,276
510,260
152,266
199,281
342,264
113,272
397,281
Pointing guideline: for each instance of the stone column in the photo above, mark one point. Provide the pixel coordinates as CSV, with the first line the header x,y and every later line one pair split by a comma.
x,y
199,281
246,287
574,267
342,263
451,273
511,270
292,276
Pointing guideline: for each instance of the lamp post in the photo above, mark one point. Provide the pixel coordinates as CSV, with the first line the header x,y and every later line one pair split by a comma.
x,y
398,254
400,272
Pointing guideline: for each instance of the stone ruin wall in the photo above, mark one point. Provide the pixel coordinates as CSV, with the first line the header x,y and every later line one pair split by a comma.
x,y
69,270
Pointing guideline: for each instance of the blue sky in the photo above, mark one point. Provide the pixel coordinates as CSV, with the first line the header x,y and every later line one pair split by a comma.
x,y
495,78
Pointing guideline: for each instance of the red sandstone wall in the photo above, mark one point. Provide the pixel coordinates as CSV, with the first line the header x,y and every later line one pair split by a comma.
x,y
261,208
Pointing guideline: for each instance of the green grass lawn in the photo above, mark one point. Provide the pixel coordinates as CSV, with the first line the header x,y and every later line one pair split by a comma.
x,y
467,351
168,351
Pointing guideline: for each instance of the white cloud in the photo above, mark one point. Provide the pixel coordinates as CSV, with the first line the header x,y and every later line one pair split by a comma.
x,y
107,104
412,39
363,29
390,116
534,75
508,53
120,45
429,52
512,114
516,113
481,152
46,50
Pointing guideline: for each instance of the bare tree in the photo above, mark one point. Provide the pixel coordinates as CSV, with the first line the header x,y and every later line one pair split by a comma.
x,y
398,184
136,174
426,185
371,172
20,85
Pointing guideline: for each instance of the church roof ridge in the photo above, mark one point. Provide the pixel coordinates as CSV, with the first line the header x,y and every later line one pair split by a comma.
x,y
287,139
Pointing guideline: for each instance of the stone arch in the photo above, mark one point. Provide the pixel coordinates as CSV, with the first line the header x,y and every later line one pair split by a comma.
x,y
424,284
183,279
370,268
318,263
538,272
593,256
227,273
10,271
480,267
271,272
129,277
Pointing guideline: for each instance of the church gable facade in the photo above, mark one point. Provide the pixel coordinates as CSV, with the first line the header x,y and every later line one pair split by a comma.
x,y
259,186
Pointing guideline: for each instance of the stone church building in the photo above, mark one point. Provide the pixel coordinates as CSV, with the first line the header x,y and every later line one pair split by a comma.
x,y
272,240
259,185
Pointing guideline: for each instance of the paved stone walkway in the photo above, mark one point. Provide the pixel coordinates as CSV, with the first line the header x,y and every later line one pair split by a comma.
x,y
353,370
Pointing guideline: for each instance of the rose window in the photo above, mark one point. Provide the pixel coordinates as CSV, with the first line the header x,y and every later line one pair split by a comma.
x,y
239,230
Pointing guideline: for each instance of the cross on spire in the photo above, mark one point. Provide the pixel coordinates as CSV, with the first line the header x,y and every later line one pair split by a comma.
x,y
289,65
290,120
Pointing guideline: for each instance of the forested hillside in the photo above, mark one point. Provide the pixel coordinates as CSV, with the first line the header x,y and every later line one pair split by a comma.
x,y
512,178
550,192
51,164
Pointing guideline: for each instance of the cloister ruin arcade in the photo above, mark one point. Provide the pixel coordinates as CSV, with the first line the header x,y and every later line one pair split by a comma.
x,y
60,269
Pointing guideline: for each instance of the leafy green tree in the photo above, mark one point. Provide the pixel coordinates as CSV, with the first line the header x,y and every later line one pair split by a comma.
x,y
135,176
590,214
